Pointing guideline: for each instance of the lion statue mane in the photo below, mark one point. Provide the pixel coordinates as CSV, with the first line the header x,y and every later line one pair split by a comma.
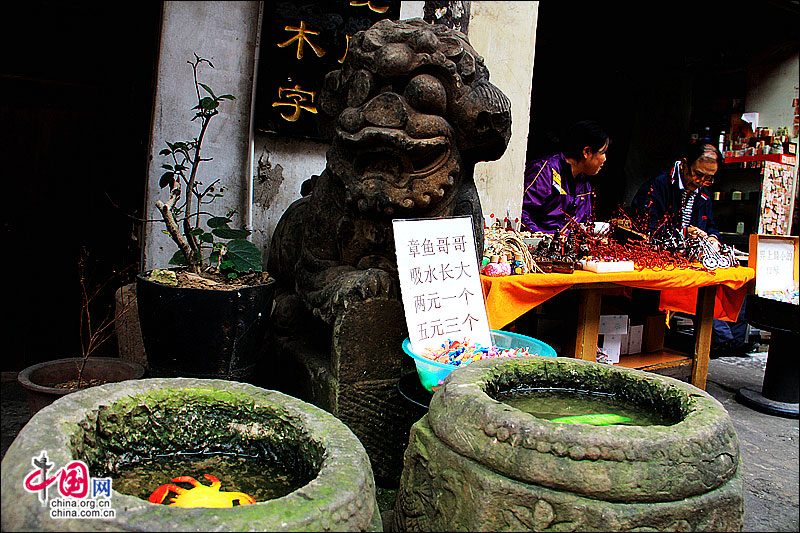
x,y
409,114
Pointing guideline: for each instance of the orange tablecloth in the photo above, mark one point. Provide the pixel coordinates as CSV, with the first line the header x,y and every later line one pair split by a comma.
x,y
509,297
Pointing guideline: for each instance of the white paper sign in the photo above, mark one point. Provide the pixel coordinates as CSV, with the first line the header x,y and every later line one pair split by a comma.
x,y
775,266
440,281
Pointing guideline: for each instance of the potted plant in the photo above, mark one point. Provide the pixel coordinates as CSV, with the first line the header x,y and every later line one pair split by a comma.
x,y
206,318
46,382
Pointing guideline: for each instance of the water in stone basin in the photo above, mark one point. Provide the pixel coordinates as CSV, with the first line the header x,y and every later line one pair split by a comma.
x,y
260,479
550,403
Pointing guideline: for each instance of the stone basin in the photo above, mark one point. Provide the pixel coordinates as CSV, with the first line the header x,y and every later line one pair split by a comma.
x,y
476,463
109,424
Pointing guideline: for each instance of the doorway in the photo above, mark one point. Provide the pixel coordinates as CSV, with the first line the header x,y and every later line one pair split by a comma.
x,y
77,82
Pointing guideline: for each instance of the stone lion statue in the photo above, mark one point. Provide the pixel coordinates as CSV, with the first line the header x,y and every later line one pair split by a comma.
x,y
409,114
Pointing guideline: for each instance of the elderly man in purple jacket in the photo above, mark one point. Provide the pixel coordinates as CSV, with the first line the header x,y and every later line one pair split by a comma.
x,y
557,188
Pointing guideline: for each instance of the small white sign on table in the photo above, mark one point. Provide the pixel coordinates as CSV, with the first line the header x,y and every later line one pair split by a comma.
x,y
440,282
775,258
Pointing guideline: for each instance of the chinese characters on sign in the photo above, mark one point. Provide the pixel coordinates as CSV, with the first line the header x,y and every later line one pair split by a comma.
x,y
300,43
440,282
776,268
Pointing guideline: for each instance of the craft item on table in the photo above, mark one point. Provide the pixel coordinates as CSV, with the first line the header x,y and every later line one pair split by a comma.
x,y
501,241
701,249
601,265
623,243
556,254
460,353
496,267
563,267
518,265
622,231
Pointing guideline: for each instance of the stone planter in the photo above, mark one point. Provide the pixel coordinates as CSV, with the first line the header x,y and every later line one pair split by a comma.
x,y
108,424
496,468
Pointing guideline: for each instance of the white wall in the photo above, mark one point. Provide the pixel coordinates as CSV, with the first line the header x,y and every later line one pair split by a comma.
x,y
772,84
225,33
504,33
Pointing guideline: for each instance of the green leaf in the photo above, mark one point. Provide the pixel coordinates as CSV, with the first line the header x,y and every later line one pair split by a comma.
x,y
206,237
218,222
244,255
208,103
168,167
197,231
208,89
230,233
165,151
178,259
226,97
167,178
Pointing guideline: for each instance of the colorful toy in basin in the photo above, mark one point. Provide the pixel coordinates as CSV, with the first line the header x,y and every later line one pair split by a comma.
x,y
199,495
604,419
434,365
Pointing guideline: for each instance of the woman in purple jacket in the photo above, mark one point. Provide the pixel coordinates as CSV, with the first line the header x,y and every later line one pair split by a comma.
x,y
557,188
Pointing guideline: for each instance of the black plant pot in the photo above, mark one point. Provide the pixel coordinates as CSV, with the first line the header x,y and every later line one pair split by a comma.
x,y
203,333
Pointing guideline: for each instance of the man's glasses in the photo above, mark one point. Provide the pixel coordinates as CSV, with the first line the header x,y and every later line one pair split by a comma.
x,y
702,177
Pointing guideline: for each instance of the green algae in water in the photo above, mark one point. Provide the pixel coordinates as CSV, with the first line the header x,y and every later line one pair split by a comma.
x,y
550,403
263,480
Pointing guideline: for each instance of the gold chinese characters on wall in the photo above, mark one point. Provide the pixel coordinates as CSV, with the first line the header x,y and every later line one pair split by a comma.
x,y
300,43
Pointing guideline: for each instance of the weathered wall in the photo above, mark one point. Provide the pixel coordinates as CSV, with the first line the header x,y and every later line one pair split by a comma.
x,y
225,33
771,86
271,169
285,163
504,33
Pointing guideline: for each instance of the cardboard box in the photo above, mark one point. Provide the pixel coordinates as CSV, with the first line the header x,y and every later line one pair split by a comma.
x,y
613,325
655,327
635,339
612,345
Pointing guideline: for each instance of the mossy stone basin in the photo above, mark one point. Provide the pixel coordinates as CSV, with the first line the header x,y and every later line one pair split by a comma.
x,y
111,424
495,467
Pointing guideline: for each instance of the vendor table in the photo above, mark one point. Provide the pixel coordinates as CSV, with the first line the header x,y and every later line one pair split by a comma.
x,y
705,294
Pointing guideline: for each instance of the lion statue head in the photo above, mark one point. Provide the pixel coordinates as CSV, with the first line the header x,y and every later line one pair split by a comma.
x,y
409,114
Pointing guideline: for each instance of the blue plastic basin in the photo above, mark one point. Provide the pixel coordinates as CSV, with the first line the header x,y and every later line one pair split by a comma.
x,y
432,373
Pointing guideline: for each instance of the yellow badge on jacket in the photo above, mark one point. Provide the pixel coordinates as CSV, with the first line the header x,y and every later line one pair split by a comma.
x,y
557,182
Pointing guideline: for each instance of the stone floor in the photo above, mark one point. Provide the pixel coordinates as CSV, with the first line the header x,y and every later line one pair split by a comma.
x,y
769,444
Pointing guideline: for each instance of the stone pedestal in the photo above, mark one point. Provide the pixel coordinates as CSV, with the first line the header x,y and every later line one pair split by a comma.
x,y
356,380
